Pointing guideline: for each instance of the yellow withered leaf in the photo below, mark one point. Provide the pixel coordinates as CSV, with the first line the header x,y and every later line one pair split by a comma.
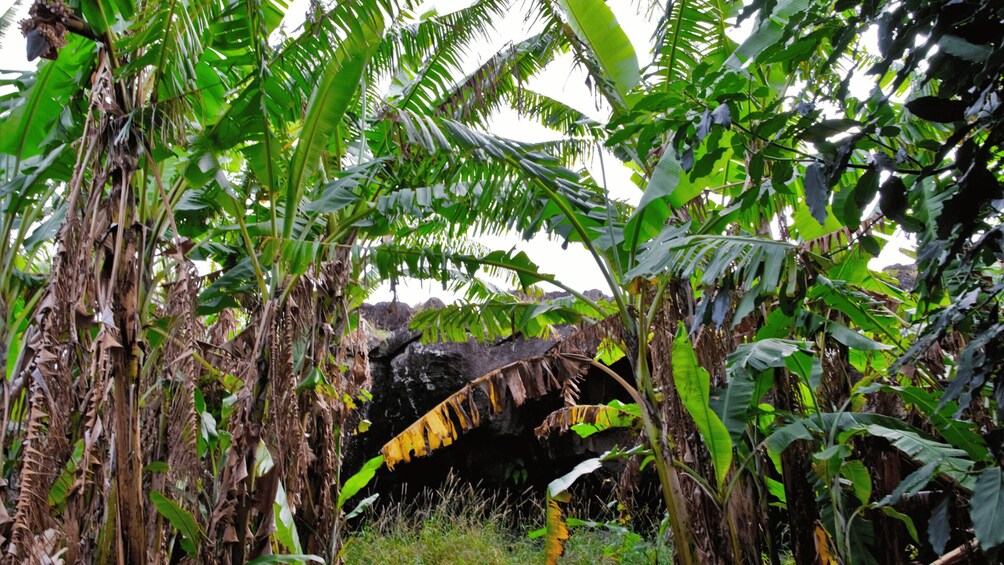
x,y
823,547
493,396
458,410
599,415
441,430
556,531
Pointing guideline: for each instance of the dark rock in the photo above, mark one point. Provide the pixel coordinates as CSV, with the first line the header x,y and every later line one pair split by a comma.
x,y
905,274
431,304
387,315
410,377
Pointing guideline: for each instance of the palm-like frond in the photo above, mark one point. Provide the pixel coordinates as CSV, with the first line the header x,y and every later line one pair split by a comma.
x,y
411,44
163,51
687,32
555,114
7,19
295,68
293,71
869,313
749,260
500,79
437,262
493,319
335,89
569,151
439,188
490,166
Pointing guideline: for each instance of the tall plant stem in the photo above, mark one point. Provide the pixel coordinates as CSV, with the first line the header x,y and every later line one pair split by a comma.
x,y
668,478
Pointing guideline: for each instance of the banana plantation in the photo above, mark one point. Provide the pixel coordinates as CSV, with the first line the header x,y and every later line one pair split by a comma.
x,y
198,198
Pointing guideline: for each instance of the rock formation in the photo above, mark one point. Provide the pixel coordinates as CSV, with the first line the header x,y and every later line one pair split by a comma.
x,y
410,377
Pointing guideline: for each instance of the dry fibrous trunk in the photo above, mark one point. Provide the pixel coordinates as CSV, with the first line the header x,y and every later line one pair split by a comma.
x,y
123,362
301,429
720,533
235,357
117,265
47,393
66,365
795,469
242,510
170,424
104,400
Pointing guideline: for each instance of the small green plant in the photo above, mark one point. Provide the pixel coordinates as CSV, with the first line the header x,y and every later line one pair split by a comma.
x,y
516,471
610,542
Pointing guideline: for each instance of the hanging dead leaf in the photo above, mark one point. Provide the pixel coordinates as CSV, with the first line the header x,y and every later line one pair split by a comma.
x,y
824,550
556,530
599,415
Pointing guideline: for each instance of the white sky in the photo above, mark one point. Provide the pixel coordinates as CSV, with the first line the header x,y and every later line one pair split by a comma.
x,y
573,266
12,44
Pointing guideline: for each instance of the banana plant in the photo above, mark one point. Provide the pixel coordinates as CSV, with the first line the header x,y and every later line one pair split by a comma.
x,y
732,223
195,199
205,185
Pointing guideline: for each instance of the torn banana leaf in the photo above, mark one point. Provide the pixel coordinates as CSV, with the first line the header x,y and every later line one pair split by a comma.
x,y
588,419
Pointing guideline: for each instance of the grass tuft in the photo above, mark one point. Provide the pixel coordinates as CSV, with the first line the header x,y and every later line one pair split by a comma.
x,y
460,525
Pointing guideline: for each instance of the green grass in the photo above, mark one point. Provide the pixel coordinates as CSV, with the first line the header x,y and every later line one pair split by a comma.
x,y
460,526
589,546
440,540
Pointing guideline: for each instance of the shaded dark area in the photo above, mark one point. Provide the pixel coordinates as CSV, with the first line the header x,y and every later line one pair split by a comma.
x,y
503,455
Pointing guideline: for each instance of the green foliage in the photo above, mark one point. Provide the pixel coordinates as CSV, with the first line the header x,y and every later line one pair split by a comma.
x,y
693,385
987,508
359,480
286,532
747,368
327,105
616,415
597,27
181,519
302,168
61,488
606,542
